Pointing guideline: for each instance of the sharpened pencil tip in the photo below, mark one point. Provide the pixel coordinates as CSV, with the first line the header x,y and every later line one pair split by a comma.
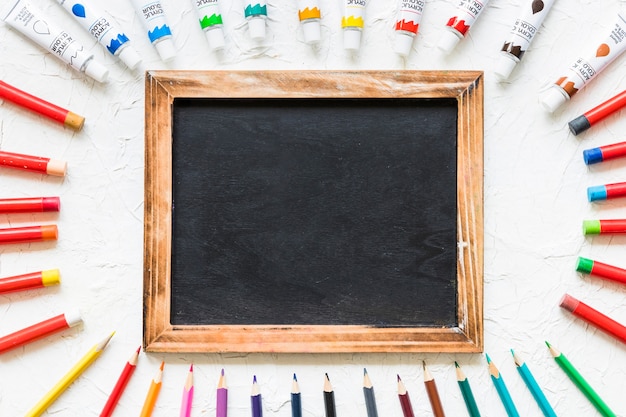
x,y
488,358
364,371
222,371
398,375
191,368
139,349
548,344
456,364
162,365
295,378
424,364
254,379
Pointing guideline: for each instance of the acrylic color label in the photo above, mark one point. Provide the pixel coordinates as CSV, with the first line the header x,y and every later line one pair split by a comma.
x,y
410,15
467,13
309,10
209,13
526,26
354,12
258,9
154,18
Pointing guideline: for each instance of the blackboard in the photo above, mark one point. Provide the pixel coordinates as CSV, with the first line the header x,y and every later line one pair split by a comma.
x,y
314,205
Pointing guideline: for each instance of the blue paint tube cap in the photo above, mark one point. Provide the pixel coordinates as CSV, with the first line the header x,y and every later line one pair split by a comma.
x,y
596,193
592,156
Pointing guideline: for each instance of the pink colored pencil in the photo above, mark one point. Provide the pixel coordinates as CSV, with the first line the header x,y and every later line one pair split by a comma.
x,y
185,407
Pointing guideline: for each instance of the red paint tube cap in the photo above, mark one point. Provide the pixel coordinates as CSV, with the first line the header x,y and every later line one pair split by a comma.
x,y
51,204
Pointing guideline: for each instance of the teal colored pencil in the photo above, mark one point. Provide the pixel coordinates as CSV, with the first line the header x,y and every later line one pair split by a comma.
x,y
503,392
466,390
533,387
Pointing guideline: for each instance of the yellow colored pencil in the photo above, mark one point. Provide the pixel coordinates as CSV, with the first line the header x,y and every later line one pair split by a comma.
x,y
153,393
69,377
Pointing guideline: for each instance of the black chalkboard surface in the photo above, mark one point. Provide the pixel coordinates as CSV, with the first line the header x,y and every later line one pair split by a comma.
x,y
313,211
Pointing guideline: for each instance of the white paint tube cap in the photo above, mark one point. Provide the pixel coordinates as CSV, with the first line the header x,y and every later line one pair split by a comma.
x,y
448,41
403,43
256,25
73,318
130,57
552,98
97,71
166,49
352,39
312,31
504,66
216,38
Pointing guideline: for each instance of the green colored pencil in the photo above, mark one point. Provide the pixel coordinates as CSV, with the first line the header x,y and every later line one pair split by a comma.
x,y
466,390
580,382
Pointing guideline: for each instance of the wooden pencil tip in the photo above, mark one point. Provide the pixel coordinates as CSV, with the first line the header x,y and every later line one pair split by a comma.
x,y
294,377
222,371
456,364
548,344
424,364
364,371
162,365
254,379
488,358
191,368
138,349
398,375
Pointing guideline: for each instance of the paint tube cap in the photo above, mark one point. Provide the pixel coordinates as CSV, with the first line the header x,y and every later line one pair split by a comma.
x,y
584,265
50,277
166,49
56,167
97,71
215,37
352,39
312,31
130,57
592,156
579,124
256,25
504,66
403,44
592,227
552,98
448,41
73,318
597,192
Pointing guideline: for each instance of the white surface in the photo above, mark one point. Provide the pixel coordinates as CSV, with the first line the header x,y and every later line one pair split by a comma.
x,y
535,201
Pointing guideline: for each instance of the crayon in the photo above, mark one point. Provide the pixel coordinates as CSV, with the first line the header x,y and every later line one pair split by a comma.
x,y
604,153
30,281
39,330
29,205
120,385
596,227
606,192
40,106
594,317
28,234
33,163
599,269
593,116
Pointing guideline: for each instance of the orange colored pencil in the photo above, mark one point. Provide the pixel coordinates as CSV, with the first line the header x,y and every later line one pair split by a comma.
x,y
119,387
153,393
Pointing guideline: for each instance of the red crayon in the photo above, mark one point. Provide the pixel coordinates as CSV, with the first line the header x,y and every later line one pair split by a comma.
x,y
33,163
594,317
29,204
596,227
122,381
29,234
593,116
30,281
39,330
52,111
588,266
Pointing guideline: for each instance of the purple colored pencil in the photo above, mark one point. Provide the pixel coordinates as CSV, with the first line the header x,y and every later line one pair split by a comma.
x,y
221,409
257,407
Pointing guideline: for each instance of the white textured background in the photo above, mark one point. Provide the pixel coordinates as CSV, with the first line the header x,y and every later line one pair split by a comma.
x,y
535,200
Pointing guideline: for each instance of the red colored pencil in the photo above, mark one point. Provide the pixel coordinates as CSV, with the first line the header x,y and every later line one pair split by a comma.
x,y
119,387
39,330
29,204
594,317
38,105
405,401
29,234
588,266
593,116
39,164
30,281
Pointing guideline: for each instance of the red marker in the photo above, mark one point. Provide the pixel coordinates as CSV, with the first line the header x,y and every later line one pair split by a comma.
x,y
122,381
39,330
594,317
588,266
33,163
29,204
52,111
30,281
597,227
593,116
29,234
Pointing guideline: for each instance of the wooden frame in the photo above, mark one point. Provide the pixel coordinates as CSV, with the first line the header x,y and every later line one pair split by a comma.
x,y
162,87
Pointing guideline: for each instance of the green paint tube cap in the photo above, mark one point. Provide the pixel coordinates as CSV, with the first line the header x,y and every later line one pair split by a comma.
x,y
584,265
591,227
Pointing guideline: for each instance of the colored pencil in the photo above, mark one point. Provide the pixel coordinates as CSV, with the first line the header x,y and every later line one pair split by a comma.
x,y
120,385
580,382
221,409
80,367
296,400
466,391
153,393
533,386
29,204
604,153
31,163
606,191
433,394
368,392
405,401
187,401
255,399
29,234
30,281
593,116
503,392
602,270
40,106
329,398
594,317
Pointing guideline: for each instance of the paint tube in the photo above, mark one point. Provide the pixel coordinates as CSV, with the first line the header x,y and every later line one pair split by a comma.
x,y
256,13
155,21
407,24
103,29
211,22
467,11
585,68
33,23
532,14
352,23
309,15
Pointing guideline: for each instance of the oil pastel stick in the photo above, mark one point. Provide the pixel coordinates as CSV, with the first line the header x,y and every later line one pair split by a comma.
x,y
29,205
594,317
602,270
39,330
28,234
604,153
606,226
39,164
593,116
40,106
30,281
606,192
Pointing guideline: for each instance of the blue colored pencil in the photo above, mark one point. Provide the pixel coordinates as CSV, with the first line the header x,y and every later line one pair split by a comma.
x,y
503,392
296,401
533,387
